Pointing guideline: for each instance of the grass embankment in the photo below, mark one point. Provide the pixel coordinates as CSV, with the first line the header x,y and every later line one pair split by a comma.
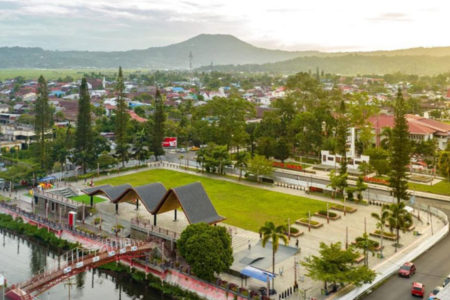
x,y
441,188
18,226
243,206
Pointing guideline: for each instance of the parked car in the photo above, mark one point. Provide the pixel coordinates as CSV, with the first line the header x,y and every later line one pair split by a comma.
x,y
182,150
194,148
435,291
407,270
418,289
446,281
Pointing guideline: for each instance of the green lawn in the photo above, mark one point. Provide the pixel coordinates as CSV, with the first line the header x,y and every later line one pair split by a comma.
x,y
243,206
438,188
87,199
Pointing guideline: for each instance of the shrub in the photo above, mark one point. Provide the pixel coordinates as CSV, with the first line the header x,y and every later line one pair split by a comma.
x,y
372,242
294,230
305,220
385,233
330,213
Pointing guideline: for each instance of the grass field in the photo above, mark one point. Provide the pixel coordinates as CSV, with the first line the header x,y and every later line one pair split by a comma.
x,y
52,74
87,199
438,188
243,206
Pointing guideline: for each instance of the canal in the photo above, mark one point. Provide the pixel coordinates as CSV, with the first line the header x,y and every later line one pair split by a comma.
x,y
20,258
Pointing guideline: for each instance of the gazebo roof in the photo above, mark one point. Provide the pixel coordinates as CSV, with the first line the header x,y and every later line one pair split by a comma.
x,y
194,201
192,198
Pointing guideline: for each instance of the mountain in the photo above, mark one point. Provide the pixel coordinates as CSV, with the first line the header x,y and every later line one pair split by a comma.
x,y
218,49
350,64
227,50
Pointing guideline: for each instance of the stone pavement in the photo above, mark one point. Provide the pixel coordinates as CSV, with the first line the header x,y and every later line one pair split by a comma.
x,y
344,230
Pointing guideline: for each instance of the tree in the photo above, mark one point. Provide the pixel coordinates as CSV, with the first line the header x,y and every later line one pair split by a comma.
x,y
336,265
444,166
158,126
282,150
121,118
382,218
42,121
338,182
401,150
360,187
229,116
341,139
215,158
367,245
386,142
266,146
83,134
259,165
207,249
241,161
273,233
379,160
399,219
105,160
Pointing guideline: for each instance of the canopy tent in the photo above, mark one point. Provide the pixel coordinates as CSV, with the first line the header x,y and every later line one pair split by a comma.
x,y
409,209
48,178
257,273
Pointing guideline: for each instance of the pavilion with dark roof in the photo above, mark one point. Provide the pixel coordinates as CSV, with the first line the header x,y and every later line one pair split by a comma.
x,y
191,198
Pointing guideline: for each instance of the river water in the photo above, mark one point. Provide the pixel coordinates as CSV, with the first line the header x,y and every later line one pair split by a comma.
x,y
20,258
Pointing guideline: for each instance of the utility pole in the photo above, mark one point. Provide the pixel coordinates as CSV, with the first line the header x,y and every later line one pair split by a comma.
x,y
190,61
69,283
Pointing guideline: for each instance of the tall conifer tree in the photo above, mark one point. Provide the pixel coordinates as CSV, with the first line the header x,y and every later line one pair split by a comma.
x,y
83,136
400,151
42,121
158,126
342,127
121,118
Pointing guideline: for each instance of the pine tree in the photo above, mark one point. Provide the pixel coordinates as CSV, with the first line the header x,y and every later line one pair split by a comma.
x,y
121,118
83,136
400,151
42,121
341,137
158,126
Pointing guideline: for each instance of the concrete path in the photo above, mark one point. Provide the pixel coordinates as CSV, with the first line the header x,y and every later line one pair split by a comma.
x,y
344,230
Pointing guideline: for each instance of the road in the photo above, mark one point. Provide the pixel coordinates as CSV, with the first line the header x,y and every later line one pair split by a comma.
x,y
432,268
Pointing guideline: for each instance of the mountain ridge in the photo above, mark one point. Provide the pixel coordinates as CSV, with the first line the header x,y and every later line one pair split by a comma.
x,y
218,49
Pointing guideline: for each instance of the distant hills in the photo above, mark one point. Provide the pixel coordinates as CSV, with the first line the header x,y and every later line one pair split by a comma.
x,y
226,52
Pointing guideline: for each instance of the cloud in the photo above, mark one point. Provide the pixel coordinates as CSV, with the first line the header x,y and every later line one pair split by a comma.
x,y
391,17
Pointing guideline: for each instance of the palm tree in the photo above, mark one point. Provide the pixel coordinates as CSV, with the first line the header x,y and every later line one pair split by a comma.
x,y
201,158
275,233
382,218
386,141
399,219
241,161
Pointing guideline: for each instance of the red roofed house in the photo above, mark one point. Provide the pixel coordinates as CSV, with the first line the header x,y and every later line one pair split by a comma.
x,y
134,116
420,129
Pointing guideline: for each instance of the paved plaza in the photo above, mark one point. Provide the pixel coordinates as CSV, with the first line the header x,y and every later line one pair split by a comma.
x,y
343,230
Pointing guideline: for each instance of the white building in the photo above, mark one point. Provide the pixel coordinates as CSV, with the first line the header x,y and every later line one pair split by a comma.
x,y
353,161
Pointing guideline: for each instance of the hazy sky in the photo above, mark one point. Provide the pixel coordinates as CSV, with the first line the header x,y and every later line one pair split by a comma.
x,y
326,25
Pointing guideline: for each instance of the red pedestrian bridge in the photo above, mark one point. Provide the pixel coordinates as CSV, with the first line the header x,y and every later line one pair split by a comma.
x,y
77,261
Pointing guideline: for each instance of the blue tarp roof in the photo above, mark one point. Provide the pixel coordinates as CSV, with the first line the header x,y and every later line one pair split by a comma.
x,y
257,273
48,178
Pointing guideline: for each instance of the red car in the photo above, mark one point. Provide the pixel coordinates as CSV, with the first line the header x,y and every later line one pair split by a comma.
x,y
418,289
407,270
